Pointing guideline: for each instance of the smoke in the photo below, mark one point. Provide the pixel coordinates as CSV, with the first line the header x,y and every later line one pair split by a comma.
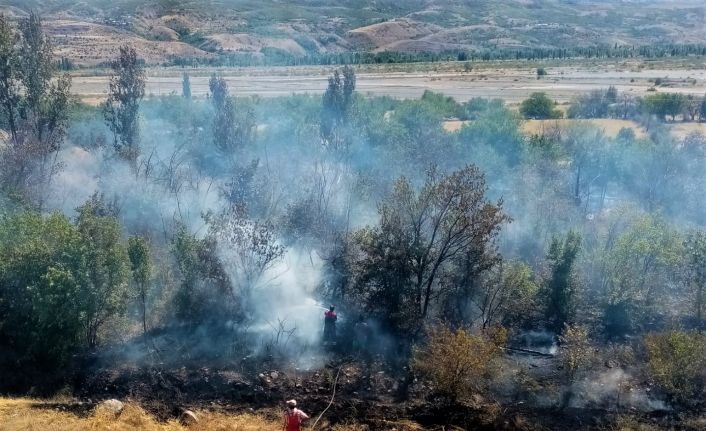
x,y
614,389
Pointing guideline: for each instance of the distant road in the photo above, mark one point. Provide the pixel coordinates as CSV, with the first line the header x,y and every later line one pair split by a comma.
x,y
512,84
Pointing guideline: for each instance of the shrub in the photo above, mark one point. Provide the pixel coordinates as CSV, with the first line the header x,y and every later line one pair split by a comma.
x,y
539,107
457,362
541,72
576,352
677,362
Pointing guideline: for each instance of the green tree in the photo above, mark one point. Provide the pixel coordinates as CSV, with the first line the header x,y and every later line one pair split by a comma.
x,y
539,107
420,234
231,131
186,86
9,76
677,361
141,266
695,247
662,105
35,105
639,265
41,259
105,283
336,108
561,285
122,108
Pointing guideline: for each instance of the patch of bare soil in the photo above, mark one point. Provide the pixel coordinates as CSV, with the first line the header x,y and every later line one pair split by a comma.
x,y
88,43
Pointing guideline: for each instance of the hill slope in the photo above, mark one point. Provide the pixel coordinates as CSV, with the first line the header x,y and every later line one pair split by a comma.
x,y
163,29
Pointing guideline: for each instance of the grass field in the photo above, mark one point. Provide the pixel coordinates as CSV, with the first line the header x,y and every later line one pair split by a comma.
x,y
24,414
610,127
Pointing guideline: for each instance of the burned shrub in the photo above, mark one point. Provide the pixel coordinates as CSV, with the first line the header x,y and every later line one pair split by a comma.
x,y
458,363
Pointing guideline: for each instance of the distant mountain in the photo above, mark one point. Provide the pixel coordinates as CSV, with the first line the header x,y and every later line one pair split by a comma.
x,y
89,31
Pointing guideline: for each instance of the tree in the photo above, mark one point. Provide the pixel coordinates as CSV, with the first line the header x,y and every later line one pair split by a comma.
x,y
639,268
9,77
561,284
104,288
539,107
251,249
692,107
419,235
664,104
677,362
695,247
230,132
337,105
141,266
34,107
186,86
121,109
507,295
40,274
541,73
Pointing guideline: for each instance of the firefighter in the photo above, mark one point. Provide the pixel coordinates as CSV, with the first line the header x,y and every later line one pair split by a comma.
x,y
293,417
330,325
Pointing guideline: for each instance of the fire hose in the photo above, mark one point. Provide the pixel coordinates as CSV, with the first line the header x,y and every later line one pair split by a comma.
x,y
333,396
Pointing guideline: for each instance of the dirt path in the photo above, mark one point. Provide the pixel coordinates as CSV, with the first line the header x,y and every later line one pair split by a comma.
x,y
512,84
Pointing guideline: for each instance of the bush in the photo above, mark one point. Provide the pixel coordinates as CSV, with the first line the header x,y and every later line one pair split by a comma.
x,y
576,352
457,362
677,362
539,107
541,72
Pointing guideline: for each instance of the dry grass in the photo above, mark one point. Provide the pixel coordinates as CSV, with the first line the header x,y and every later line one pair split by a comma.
x,y
610,127
23,414
682,130
31,415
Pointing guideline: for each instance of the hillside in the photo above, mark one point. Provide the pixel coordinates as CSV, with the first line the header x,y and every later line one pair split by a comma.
x,y
88,32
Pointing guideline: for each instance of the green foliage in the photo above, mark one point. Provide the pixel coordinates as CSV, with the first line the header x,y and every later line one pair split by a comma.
x,y
105,289
186,86
595,104
677,362
695,262
541,73
664,104
41,264
121,109
575,352
337,105
420,234
493,126
232,130
204,291
141,266
34,103
46,265
539,107
561,285
639,266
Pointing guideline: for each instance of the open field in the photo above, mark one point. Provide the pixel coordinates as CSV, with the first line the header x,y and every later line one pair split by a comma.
x,y
512,82
610,127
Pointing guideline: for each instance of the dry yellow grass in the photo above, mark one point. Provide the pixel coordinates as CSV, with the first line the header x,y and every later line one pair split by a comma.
x,y
23,414
31,415
681,130
452,126
610,127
